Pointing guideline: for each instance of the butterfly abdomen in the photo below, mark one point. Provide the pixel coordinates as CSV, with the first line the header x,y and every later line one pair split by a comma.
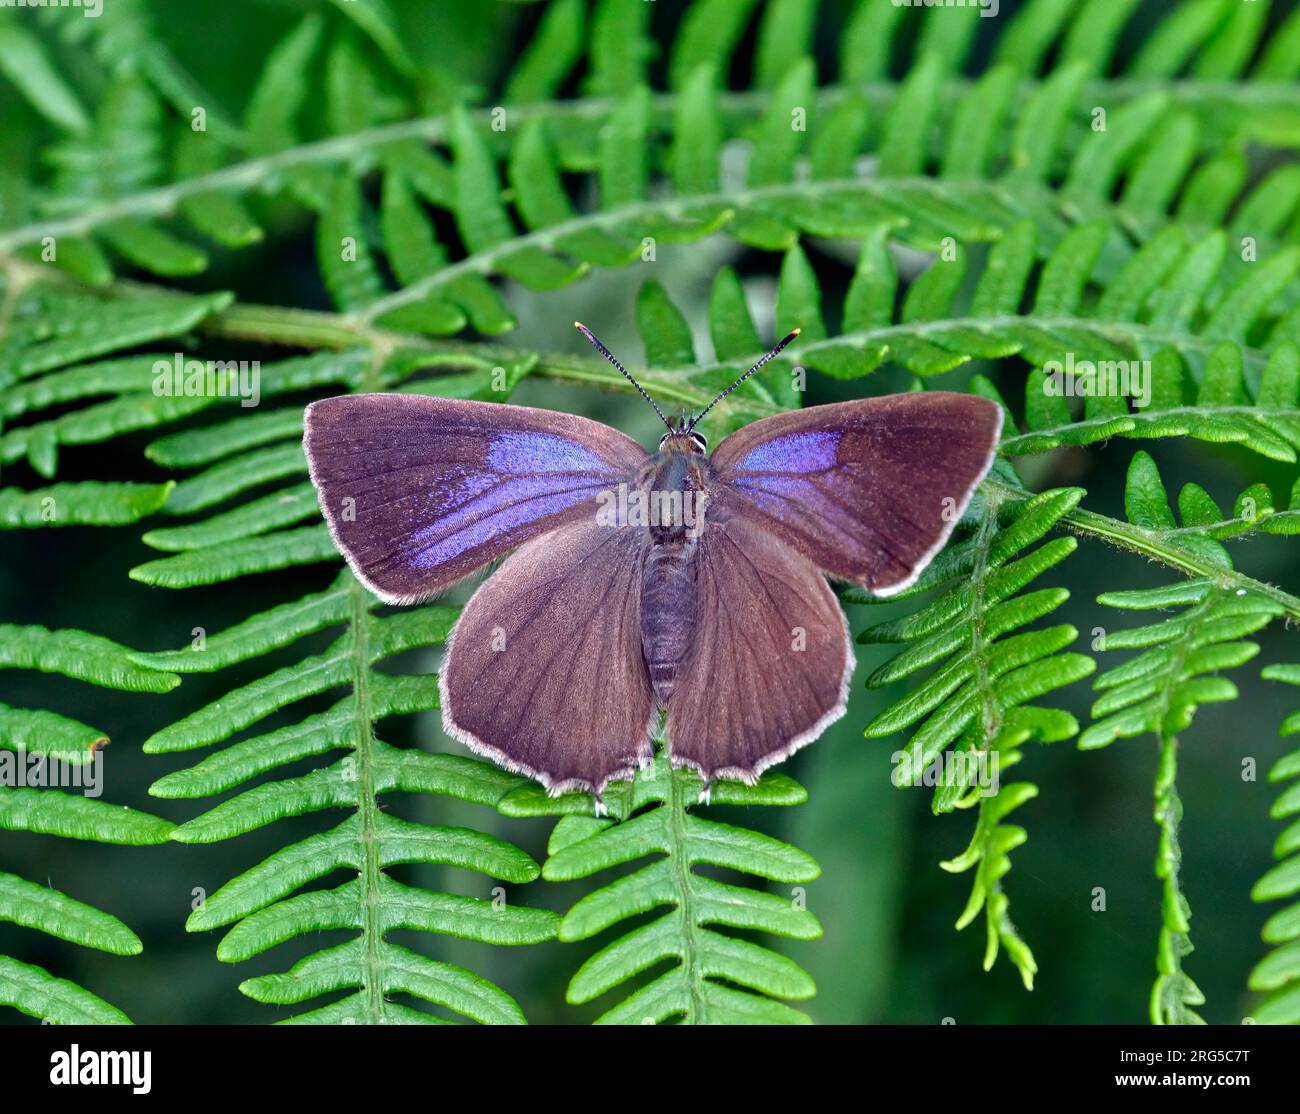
x,y
668,611
674,482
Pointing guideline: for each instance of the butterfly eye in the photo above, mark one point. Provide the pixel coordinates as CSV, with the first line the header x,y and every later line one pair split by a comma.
x,y
701,442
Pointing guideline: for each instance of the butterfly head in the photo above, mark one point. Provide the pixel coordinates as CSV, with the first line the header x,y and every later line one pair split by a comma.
x,y
685,437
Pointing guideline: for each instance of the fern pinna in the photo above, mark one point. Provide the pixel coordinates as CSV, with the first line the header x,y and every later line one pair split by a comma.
x,y
54,750
1278,974
1159,690
46,332
977,701
712,977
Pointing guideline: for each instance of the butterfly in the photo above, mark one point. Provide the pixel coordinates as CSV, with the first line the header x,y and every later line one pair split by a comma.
x,y
644,584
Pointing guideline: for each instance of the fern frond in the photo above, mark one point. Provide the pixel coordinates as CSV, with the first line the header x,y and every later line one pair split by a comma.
x,y
976,700
967,172
1158,692
1278,973
32,742
713,977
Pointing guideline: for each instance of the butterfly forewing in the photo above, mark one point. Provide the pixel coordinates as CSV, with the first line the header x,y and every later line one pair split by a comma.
x,y
868,490
420,492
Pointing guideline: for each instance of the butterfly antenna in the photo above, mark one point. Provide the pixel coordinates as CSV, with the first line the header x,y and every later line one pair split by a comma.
x,y
775,352
610,357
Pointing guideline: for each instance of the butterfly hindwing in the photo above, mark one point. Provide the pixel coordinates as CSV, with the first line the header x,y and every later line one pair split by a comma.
x,y
544,673
770,664
868,490
420,492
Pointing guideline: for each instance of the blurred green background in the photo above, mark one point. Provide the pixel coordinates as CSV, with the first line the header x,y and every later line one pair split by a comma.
x,y
890,953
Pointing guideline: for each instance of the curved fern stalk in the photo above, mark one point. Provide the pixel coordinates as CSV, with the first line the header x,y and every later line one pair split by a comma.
x,y
261,903
1201,381
32,741
714,978
975,703
1155,333
1278,973
1159,690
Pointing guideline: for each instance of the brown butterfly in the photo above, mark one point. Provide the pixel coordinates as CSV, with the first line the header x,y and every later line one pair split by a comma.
x,y
643,582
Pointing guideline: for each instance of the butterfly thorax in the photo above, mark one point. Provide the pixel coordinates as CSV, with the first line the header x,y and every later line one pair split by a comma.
x,y
673,488
675,481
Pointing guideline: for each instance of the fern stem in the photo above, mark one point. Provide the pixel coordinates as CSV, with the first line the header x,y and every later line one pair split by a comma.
x,y
1173,991
698,1013
366,807
320,329
979,641
367,803
298,328
991,809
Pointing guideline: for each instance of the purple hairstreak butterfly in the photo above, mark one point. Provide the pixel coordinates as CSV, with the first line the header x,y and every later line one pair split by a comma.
x,y
638,584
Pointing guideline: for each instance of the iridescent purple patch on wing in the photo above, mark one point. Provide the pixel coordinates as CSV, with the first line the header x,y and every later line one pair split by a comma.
x,y
541,452
528,484
777,475
811,451
513,502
